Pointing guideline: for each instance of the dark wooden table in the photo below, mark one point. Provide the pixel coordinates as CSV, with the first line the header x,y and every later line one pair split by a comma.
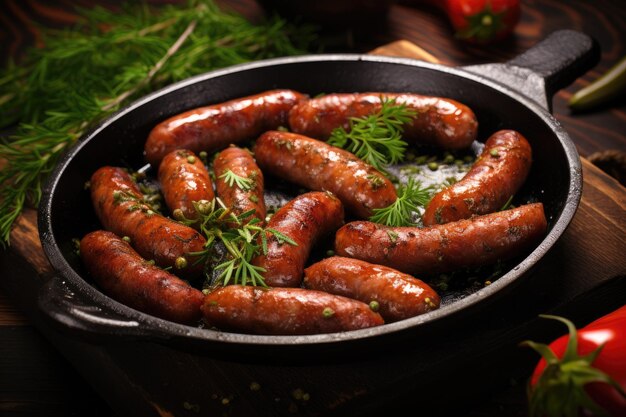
x,y
36,380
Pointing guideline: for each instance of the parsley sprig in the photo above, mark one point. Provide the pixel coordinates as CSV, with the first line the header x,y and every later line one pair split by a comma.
x,y
242,236
400,213
377,138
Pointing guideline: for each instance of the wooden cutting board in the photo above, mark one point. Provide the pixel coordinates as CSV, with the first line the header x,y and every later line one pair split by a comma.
x,y
585,270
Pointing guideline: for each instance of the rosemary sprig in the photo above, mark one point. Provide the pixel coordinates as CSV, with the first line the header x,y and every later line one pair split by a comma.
x,y
400,213
242,242
109,58
377,138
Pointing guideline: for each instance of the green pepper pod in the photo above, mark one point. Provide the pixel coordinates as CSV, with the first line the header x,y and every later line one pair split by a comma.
x,y
608,86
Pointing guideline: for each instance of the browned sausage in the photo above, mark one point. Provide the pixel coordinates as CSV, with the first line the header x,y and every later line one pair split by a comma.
x,y
440,121
133,281
184,179
240,200
496,176
305,219
398,295
118,204
285,311
215,127
478,241
321,167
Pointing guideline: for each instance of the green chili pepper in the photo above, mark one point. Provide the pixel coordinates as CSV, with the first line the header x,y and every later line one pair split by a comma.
x,y
610,85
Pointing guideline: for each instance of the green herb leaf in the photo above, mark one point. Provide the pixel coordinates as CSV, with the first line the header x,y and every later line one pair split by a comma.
x,y
231,178
400,213
377,138
242,236
111,57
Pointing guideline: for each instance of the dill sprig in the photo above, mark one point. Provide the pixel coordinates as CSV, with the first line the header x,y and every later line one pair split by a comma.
x,y
377,138
400,213
86,73
243,183
242,236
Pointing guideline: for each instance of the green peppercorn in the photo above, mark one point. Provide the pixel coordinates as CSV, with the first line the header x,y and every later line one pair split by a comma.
x,y
180,262
178,214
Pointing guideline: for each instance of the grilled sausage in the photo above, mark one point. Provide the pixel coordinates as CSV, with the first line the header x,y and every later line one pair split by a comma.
x,y
285,311
398,295
305,220
215,127
439,122
131,280
496,176
184,179
474,242
321,167
118,204
240,200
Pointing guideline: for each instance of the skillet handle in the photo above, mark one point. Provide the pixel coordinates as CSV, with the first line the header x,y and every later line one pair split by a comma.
x,y
547,67
74,312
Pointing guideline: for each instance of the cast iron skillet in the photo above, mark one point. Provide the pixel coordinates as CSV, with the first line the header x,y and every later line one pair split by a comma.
x,y
515,95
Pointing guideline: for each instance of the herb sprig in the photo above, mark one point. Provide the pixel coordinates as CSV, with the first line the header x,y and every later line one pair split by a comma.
x,y
242,236
400,213
243,183
377,138
86,73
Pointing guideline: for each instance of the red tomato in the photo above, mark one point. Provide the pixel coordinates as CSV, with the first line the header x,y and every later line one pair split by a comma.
x,y
589,366
483,21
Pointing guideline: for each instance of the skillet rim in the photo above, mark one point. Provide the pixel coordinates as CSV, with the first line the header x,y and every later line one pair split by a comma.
x,y
135,318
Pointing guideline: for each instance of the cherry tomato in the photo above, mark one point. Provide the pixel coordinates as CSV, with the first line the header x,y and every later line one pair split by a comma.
x,y
585,369
482,21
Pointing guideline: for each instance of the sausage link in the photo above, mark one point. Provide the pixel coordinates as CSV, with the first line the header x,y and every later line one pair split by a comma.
x,y
214,127
285,311
305,220
440,121
398,295
184,179
474,242
118,204
321,167
239,200
496,176
133,281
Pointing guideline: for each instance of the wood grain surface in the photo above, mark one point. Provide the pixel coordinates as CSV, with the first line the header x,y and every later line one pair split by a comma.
x,y
36,380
